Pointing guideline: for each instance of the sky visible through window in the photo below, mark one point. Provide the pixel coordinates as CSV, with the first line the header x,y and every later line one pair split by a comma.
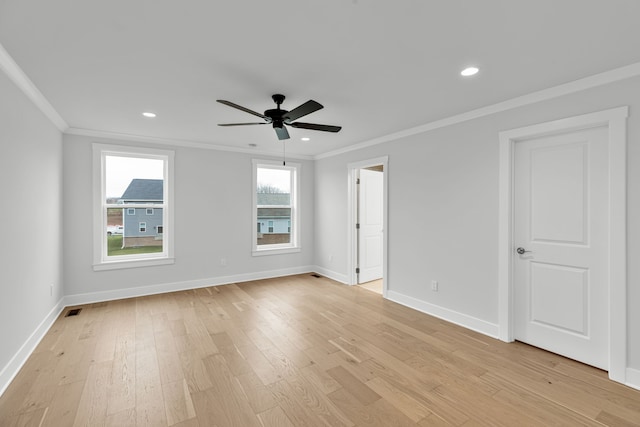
x,y
121,170
278,178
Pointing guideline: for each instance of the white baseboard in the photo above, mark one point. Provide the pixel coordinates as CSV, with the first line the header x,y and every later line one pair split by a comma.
x,y
633,378
338,277
11,369
93,297
460,319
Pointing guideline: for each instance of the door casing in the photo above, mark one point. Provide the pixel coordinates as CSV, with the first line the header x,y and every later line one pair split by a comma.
x,y
615,120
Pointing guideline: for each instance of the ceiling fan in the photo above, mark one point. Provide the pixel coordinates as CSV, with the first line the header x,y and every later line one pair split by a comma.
x,y
279,118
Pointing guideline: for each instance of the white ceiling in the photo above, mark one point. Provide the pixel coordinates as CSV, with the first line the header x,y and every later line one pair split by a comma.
x,y
378,66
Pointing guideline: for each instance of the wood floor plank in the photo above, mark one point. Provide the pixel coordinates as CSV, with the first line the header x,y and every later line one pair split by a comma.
x,y
412,408
195,373
295,409
177,402
122,387
258,395
359,390
92,409
275,417
64,405
125,418
150,409
296,351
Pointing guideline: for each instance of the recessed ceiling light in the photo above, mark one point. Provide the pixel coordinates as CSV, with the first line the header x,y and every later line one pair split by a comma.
x,y
253,145
306,138
149,114
469,71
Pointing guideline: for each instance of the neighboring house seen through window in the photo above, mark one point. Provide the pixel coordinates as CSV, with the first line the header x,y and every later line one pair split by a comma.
x,y
275,191
133,195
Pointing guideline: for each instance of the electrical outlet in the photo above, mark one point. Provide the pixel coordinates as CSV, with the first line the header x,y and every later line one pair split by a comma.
x,y
434,285
223,262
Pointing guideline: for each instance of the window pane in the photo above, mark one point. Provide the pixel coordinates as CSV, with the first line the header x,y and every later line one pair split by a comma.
x,y
274,223
126,234
273,187
134,180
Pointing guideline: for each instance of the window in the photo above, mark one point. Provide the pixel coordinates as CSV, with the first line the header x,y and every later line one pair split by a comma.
x,y
275,208
133,194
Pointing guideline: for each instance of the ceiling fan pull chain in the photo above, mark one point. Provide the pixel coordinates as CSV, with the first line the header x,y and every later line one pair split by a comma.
x,y
283,154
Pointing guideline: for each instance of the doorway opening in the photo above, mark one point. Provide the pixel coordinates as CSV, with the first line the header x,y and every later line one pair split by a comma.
x,y
368,224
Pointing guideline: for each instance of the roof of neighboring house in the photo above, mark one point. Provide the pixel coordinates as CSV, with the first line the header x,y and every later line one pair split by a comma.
x,y
274,199
266,213
143,190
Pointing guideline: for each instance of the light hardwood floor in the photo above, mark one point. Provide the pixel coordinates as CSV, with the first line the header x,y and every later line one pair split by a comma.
x,y
296,351
373,286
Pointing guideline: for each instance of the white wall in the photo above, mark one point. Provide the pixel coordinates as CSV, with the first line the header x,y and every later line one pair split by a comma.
x,y
30,223
213,207
443,207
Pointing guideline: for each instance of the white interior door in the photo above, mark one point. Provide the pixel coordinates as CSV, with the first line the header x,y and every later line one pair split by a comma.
x,y
560,220
370,212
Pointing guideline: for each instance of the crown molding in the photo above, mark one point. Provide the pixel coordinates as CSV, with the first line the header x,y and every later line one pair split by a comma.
x,y
593,81
20,79
178,143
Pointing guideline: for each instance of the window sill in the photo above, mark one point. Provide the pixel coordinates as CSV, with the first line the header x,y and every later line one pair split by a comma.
x,y
117,265
274,251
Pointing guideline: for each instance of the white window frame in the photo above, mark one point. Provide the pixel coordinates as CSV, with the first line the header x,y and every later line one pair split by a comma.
x,y
149,211
101,261
294,244
131,211
142,227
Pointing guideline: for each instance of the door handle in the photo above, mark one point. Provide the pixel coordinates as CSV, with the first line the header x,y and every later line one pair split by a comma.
x,y
521,250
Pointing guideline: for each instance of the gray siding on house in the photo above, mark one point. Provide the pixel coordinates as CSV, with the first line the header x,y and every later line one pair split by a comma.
x,y
272,220
132,222
143,191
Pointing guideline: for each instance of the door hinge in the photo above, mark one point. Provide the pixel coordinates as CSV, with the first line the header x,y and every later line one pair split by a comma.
x,y
357,270
358,181
357,226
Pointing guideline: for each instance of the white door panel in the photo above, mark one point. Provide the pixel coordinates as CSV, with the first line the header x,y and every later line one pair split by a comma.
x,y
560,218
371,223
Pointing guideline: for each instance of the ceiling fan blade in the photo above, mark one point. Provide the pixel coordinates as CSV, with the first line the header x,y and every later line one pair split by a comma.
x,y
241,124
281,132
304,109
315,126
241,108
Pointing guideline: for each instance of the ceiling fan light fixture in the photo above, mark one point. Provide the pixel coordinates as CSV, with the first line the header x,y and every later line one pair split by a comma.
x,y
469,71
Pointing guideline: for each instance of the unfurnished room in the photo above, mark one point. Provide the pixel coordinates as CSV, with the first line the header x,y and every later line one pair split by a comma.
x,y
320,213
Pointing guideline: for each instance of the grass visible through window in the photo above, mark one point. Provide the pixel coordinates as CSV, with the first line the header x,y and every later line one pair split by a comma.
x,y
114,248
